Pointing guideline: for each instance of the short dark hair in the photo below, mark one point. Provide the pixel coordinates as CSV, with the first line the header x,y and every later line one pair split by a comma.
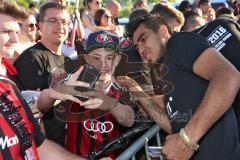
x,y
152,22
31,5
167,12
47,6
86,2
98,16
138,13
190,19
202,2
10,8
138,3
223,10
184,5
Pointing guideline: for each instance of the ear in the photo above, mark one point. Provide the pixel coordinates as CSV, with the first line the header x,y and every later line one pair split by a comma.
x,y
40,24
163,31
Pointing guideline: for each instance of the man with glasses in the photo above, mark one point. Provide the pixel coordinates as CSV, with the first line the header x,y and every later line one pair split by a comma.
x,y
205,84
35,64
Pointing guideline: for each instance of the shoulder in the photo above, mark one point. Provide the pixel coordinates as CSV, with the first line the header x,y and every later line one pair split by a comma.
x,y
184,36
185,40
38,51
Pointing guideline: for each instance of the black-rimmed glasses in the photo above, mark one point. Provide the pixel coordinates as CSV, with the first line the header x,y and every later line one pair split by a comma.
x,y
55,21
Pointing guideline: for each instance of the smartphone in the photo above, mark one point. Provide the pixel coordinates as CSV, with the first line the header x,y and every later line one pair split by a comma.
x,y
155,151
90,75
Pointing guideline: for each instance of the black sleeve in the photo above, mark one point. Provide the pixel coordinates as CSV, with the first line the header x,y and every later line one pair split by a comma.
x,y
184,48
29,71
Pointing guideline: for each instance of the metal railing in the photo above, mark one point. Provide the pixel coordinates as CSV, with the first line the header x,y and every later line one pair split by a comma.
x,y
131,151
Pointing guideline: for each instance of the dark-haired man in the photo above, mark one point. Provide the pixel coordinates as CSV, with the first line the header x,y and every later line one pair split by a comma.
x,y
205,85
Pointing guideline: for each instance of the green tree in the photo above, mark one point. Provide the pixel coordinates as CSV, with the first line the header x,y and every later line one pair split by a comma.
x,y
24,3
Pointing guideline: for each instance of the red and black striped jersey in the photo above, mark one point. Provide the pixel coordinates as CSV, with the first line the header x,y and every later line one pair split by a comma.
x,y
10,143
86,136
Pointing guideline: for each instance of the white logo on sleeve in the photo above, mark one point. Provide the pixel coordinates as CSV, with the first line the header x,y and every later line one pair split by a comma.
x,y
9,142
169,109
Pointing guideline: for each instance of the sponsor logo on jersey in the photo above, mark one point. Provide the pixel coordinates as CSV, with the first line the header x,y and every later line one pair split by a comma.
x,y
8,142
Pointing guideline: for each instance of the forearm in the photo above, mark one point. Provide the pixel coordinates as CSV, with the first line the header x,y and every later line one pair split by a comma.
x,y
80,29
49,150
156,112
217,100
44,101
123,114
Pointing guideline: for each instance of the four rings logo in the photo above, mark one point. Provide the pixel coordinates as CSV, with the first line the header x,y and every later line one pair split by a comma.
x,y
96,126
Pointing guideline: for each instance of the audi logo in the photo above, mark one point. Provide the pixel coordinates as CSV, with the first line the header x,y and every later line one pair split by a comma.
x,y
96,126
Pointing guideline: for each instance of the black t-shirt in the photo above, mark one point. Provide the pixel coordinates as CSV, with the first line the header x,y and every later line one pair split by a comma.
x,y
35,67
11,150
224,35
221,141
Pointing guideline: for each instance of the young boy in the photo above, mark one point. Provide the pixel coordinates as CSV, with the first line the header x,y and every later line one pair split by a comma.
x,y
86,136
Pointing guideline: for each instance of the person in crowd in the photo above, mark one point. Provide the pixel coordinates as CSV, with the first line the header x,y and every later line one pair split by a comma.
x,y
192,21
140,4
116,114
211,15
36,64
232,4
114,7
204,5
103,18
210,130
73,44
62,2
91,7
185,6
88,18
225,11
238,9
34,8
18,128
27,35
174,18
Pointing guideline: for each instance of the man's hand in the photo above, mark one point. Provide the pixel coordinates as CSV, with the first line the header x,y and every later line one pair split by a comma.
x,y
175,149
62,92
131,84
73,80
